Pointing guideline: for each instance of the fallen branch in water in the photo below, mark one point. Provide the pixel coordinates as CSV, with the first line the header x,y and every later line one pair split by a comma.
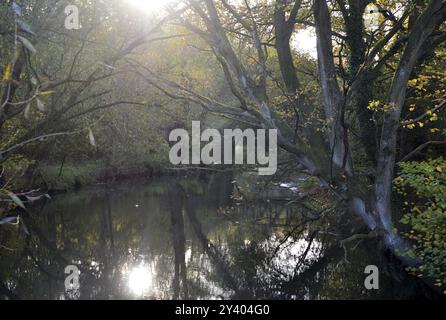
x,y
355,237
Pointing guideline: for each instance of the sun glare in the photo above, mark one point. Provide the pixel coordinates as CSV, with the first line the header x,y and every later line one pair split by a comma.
x,y
140,280
150,6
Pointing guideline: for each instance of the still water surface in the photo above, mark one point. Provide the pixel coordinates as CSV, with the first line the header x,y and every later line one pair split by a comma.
x,y
176,238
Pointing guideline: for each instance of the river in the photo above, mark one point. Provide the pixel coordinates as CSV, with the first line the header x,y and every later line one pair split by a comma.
x,y
185,238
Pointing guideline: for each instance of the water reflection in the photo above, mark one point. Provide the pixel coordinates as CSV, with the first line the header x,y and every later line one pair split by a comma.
x,y
186,239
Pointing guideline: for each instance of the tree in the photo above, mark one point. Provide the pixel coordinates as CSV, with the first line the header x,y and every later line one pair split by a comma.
x,y
332,163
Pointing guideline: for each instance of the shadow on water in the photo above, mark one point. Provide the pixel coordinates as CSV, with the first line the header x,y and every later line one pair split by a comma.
x,y
185,239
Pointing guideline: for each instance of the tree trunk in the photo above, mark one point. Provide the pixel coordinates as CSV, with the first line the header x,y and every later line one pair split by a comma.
x,y
354,27
283,30
333,99
425,26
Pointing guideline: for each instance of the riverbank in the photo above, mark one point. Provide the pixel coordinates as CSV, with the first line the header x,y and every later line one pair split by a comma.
x,y
67,177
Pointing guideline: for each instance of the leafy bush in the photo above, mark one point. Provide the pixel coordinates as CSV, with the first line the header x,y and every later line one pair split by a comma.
x,y
423,185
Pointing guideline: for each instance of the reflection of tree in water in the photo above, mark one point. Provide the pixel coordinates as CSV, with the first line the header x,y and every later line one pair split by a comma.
x,y
290,256
179,243
195,248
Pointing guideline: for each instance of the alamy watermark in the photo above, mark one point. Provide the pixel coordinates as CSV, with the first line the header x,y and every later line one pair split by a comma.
x,y
248,147
72,21
371,282
72,284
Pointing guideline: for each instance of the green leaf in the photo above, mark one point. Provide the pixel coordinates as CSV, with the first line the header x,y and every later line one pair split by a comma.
x,y
24,228
40,105
33,199
27,111
91,138
23,26
9,220
15,199
27,44
46,93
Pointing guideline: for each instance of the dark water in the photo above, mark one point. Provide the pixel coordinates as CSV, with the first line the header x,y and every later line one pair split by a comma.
x,y
186,239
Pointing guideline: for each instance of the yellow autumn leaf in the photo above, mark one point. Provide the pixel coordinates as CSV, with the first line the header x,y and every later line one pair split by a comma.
x,y
8,72
439,169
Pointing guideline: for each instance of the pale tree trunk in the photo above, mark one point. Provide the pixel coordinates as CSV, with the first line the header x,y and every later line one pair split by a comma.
x,y
334,102
425,26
